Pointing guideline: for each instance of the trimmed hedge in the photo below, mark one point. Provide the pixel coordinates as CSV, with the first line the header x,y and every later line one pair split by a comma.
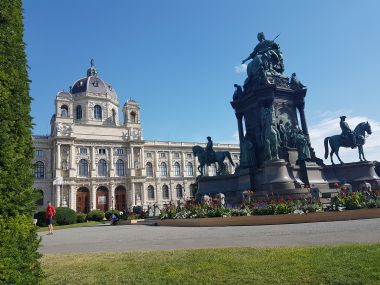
x,y
95,215
65,216
109,213
81,218
41,218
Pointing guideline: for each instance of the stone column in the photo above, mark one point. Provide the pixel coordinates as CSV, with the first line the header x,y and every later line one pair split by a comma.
x,y
142,157
170,163
93,197
301,109
72,198
133,194
111,196
132,157
111,158
143,201
239,118
156,167
183,164
58,195
58,156
93,165
72,156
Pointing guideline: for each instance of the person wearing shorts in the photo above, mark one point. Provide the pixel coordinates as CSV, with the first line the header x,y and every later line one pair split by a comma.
x,y
50,212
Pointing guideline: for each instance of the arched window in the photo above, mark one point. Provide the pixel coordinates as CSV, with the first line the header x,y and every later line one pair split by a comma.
x,y
39,170
40,201
150,192
190,171
79,112
83,168
179,191
102,168
133,117
64,111
149,169
113,116
177,169
165,192
120,167
163,169
97,112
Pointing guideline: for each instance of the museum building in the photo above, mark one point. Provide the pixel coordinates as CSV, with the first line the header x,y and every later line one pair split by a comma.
x,y
94,160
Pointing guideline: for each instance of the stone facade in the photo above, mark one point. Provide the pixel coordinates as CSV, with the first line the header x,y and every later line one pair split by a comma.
x,y
94,160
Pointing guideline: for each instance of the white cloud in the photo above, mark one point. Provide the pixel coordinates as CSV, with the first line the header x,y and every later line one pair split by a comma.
x,y
234,140
242,68
329,126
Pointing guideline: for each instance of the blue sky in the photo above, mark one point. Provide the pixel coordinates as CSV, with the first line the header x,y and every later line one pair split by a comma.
x,y
180,59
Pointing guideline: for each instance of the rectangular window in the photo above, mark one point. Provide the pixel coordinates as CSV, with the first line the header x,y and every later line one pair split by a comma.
x,y
176,155
120,151
83,150
188,155
163,155
39,152
102,151
149,154
236,156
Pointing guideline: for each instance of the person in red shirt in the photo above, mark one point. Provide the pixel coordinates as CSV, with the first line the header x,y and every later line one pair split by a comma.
x,y
50,212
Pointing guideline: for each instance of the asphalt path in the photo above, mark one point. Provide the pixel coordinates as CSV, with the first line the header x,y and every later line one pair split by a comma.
x,y
105,238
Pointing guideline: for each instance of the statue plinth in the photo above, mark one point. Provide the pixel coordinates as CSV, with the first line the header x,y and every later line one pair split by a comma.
x,y
354,173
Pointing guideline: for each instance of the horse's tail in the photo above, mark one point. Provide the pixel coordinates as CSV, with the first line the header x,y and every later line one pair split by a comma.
x,y
229,157
327,147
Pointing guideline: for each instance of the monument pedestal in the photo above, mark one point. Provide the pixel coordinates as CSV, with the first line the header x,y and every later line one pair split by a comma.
x,y
354,173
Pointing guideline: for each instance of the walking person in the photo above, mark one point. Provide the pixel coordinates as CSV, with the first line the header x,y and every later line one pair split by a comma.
x,y
50,212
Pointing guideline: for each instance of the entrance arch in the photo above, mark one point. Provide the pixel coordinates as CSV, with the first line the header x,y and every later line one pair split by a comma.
x,y
102,198
120,198
83,200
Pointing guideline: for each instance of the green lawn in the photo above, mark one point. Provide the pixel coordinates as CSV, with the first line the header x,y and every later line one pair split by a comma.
x,y
341,264
78,225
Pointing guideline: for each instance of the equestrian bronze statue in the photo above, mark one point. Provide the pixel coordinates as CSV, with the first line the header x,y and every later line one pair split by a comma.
x,y
348,138
208,156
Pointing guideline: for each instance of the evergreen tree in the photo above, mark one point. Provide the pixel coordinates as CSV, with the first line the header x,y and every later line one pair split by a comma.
x,y
19,259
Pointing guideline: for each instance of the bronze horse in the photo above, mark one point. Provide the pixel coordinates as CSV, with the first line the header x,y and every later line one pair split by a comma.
x,y
219,157
338,141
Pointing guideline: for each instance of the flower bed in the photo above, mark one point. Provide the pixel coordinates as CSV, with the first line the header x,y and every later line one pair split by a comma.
x,y
345,200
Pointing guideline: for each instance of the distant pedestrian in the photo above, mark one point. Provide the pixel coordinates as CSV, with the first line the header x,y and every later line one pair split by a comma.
x,y
50,213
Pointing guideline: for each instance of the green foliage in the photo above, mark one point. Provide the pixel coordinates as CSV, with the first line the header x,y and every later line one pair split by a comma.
x,y
65,216
81,218
19,263
95,215
18,242
109,213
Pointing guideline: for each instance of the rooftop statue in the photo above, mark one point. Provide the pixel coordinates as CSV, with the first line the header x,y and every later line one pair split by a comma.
x,y
238,92
295,83
348,138
266,61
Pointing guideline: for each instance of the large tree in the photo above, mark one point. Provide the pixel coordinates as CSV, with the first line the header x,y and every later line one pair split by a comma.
x,y
19,259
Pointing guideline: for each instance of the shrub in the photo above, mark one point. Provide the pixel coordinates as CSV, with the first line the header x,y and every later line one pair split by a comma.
x,y
95,215
41,218
109,213
65,216
81,217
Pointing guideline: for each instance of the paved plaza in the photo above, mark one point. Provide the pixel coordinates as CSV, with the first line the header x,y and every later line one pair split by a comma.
x,y
105,238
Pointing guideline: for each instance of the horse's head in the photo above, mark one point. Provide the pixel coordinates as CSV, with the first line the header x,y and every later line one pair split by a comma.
x,y
362,128
197,150
368,128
